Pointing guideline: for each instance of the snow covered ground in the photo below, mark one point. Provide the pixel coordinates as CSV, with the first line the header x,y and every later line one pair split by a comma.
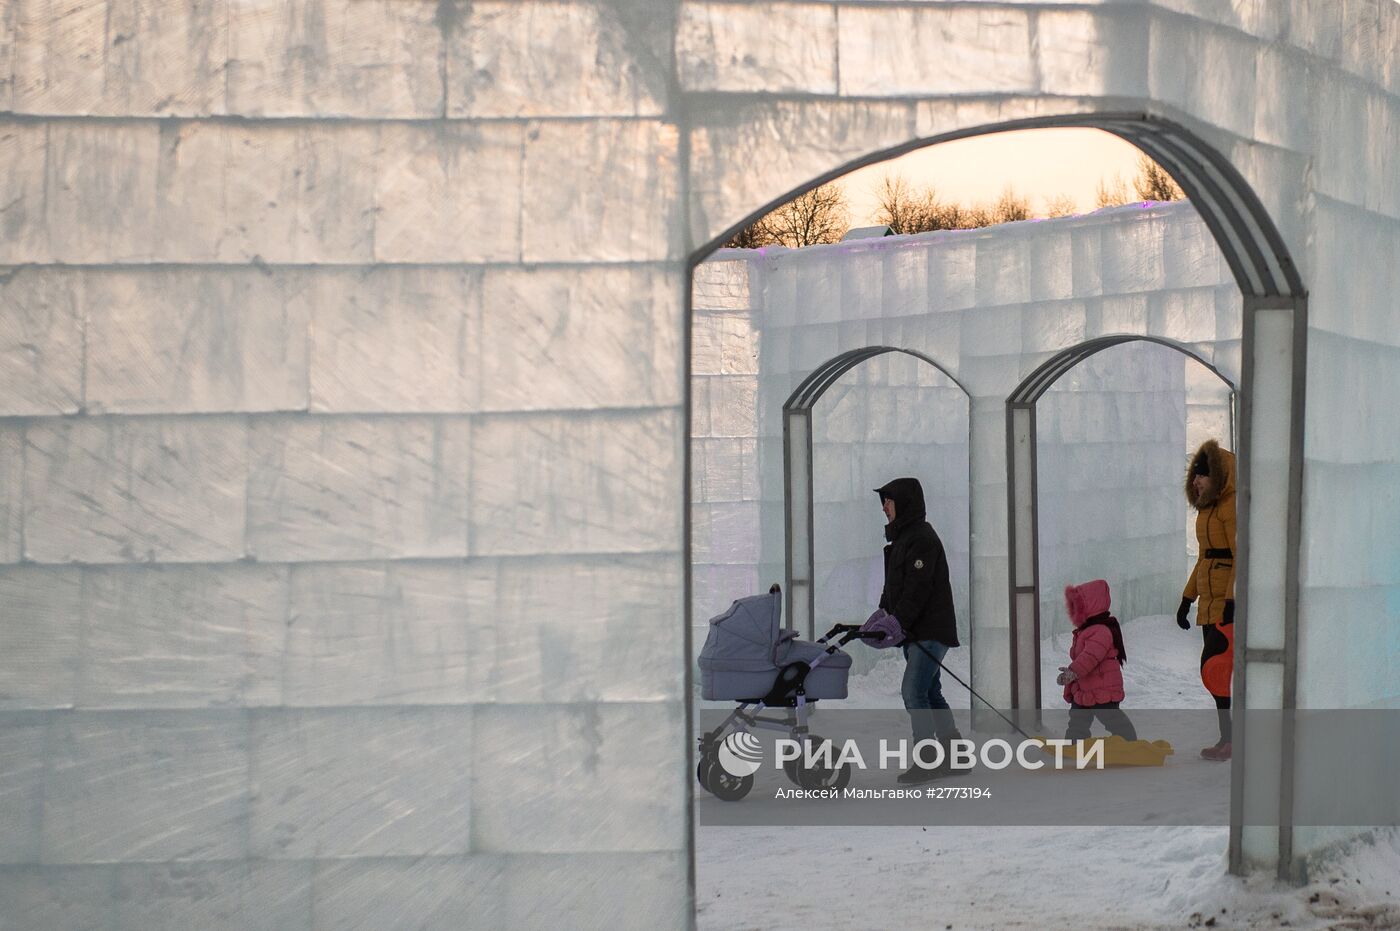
x,y
1081,878
816,878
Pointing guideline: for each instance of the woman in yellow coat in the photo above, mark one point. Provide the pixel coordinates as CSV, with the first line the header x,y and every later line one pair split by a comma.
x,y
1210,489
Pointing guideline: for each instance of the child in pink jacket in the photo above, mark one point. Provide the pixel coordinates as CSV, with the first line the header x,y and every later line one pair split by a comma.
x,y
1093,680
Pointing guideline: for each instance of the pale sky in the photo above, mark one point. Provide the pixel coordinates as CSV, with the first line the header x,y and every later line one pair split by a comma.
x,y
1039,163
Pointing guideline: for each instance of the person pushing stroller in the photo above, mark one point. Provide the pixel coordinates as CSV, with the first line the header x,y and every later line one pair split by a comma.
x,y
916,606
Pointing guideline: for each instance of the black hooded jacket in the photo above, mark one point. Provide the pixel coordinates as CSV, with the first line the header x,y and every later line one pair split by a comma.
x,y
917,590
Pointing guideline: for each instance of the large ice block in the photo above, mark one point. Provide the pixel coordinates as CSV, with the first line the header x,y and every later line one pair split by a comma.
x,y
595,482
431,893
166,489
572,630
594,66
212,341
983,50
358,487
182,636
432,197
608,188
100,199
319,58
149,785
395,340
390,633
69,63
730,47
237,192
626,782
41,342
561,339
366,782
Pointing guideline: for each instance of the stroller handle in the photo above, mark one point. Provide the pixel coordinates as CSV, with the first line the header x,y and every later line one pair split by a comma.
x,y
851,632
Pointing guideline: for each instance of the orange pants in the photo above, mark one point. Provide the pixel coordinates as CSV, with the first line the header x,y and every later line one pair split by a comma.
x,y
1217,658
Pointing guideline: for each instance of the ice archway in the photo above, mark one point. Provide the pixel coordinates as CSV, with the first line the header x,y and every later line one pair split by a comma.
x,y
1271,376
1023,505
798,499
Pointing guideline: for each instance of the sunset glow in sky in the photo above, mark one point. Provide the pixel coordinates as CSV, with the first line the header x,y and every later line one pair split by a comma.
x,y
1039,163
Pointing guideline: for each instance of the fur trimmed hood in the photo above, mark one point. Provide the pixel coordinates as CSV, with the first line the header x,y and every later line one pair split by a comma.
x,y
1220,464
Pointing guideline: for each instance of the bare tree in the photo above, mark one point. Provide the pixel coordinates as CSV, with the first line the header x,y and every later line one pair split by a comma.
x,y
1061,205
1010,207
1153,182
1150,183
818,216
754,236
904,209
963,216
1111,192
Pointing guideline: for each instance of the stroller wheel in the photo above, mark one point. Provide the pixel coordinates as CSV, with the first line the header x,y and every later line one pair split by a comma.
x,y
725,787
702,772
819,777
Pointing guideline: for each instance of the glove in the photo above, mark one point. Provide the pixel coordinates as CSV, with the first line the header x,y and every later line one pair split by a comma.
x,y
1181,613
1229,611
887,624
1066,676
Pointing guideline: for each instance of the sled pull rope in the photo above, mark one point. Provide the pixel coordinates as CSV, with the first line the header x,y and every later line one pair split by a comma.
x,y
973,691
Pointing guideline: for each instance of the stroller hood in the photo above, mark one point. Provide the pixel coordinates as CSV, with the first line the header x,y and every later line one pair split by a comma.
x,y
748,631
747,646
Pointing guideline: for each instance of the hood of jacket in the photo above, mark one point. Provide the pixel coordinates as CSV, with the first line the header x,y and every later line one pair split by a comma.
x,y
908,497
1085,601
1221,466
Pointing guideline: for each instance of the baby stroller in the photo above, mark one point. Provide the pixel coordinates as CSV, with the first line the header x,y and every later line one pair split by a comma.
x,y
750,658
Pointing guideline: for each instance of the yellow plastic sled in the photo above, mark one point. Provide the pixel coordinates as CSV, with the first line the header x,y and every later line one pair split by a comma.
x,y
1117,751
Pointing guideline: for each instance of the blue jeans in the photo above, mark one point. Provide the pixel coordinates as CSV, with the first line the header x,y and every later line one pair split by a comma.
x,y
922,691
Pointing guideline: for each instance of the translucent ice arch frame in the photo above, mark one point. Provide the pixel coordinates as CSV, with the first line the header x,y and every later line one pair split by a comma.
x,y
1269,450
1023,505
798,505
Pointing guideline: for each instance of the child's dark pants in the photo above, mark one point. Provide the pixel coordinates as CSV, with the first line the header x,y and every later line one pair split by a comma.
x,y
1081,719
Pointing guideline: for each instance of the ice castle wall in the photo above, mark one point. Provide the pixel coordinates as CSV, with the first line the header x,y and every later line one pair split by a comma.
x,y
343,429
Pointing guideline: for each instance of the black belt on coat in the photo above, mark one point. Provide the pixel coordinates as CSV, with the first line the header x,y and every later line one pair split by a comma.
x,y
1219,554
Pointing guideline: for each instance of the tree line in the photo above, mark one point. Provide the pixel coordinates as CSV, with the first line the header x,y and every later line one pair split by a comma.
x,y
822,215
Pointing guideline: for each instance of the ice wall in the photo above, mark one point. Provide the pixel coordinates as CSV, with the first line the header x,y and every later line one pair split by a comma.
x,y
1111,441
342,379
726,504
340,510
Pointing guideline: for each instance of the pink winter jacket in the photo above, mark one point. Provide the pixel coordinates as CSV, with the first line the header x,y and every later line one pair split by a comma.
x,y
1092,656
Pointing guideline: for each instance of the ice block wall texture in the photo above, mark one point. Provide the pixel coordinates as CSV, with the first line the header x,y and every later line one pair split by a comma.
x,y
1110,452
726,558
387,182
340,509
